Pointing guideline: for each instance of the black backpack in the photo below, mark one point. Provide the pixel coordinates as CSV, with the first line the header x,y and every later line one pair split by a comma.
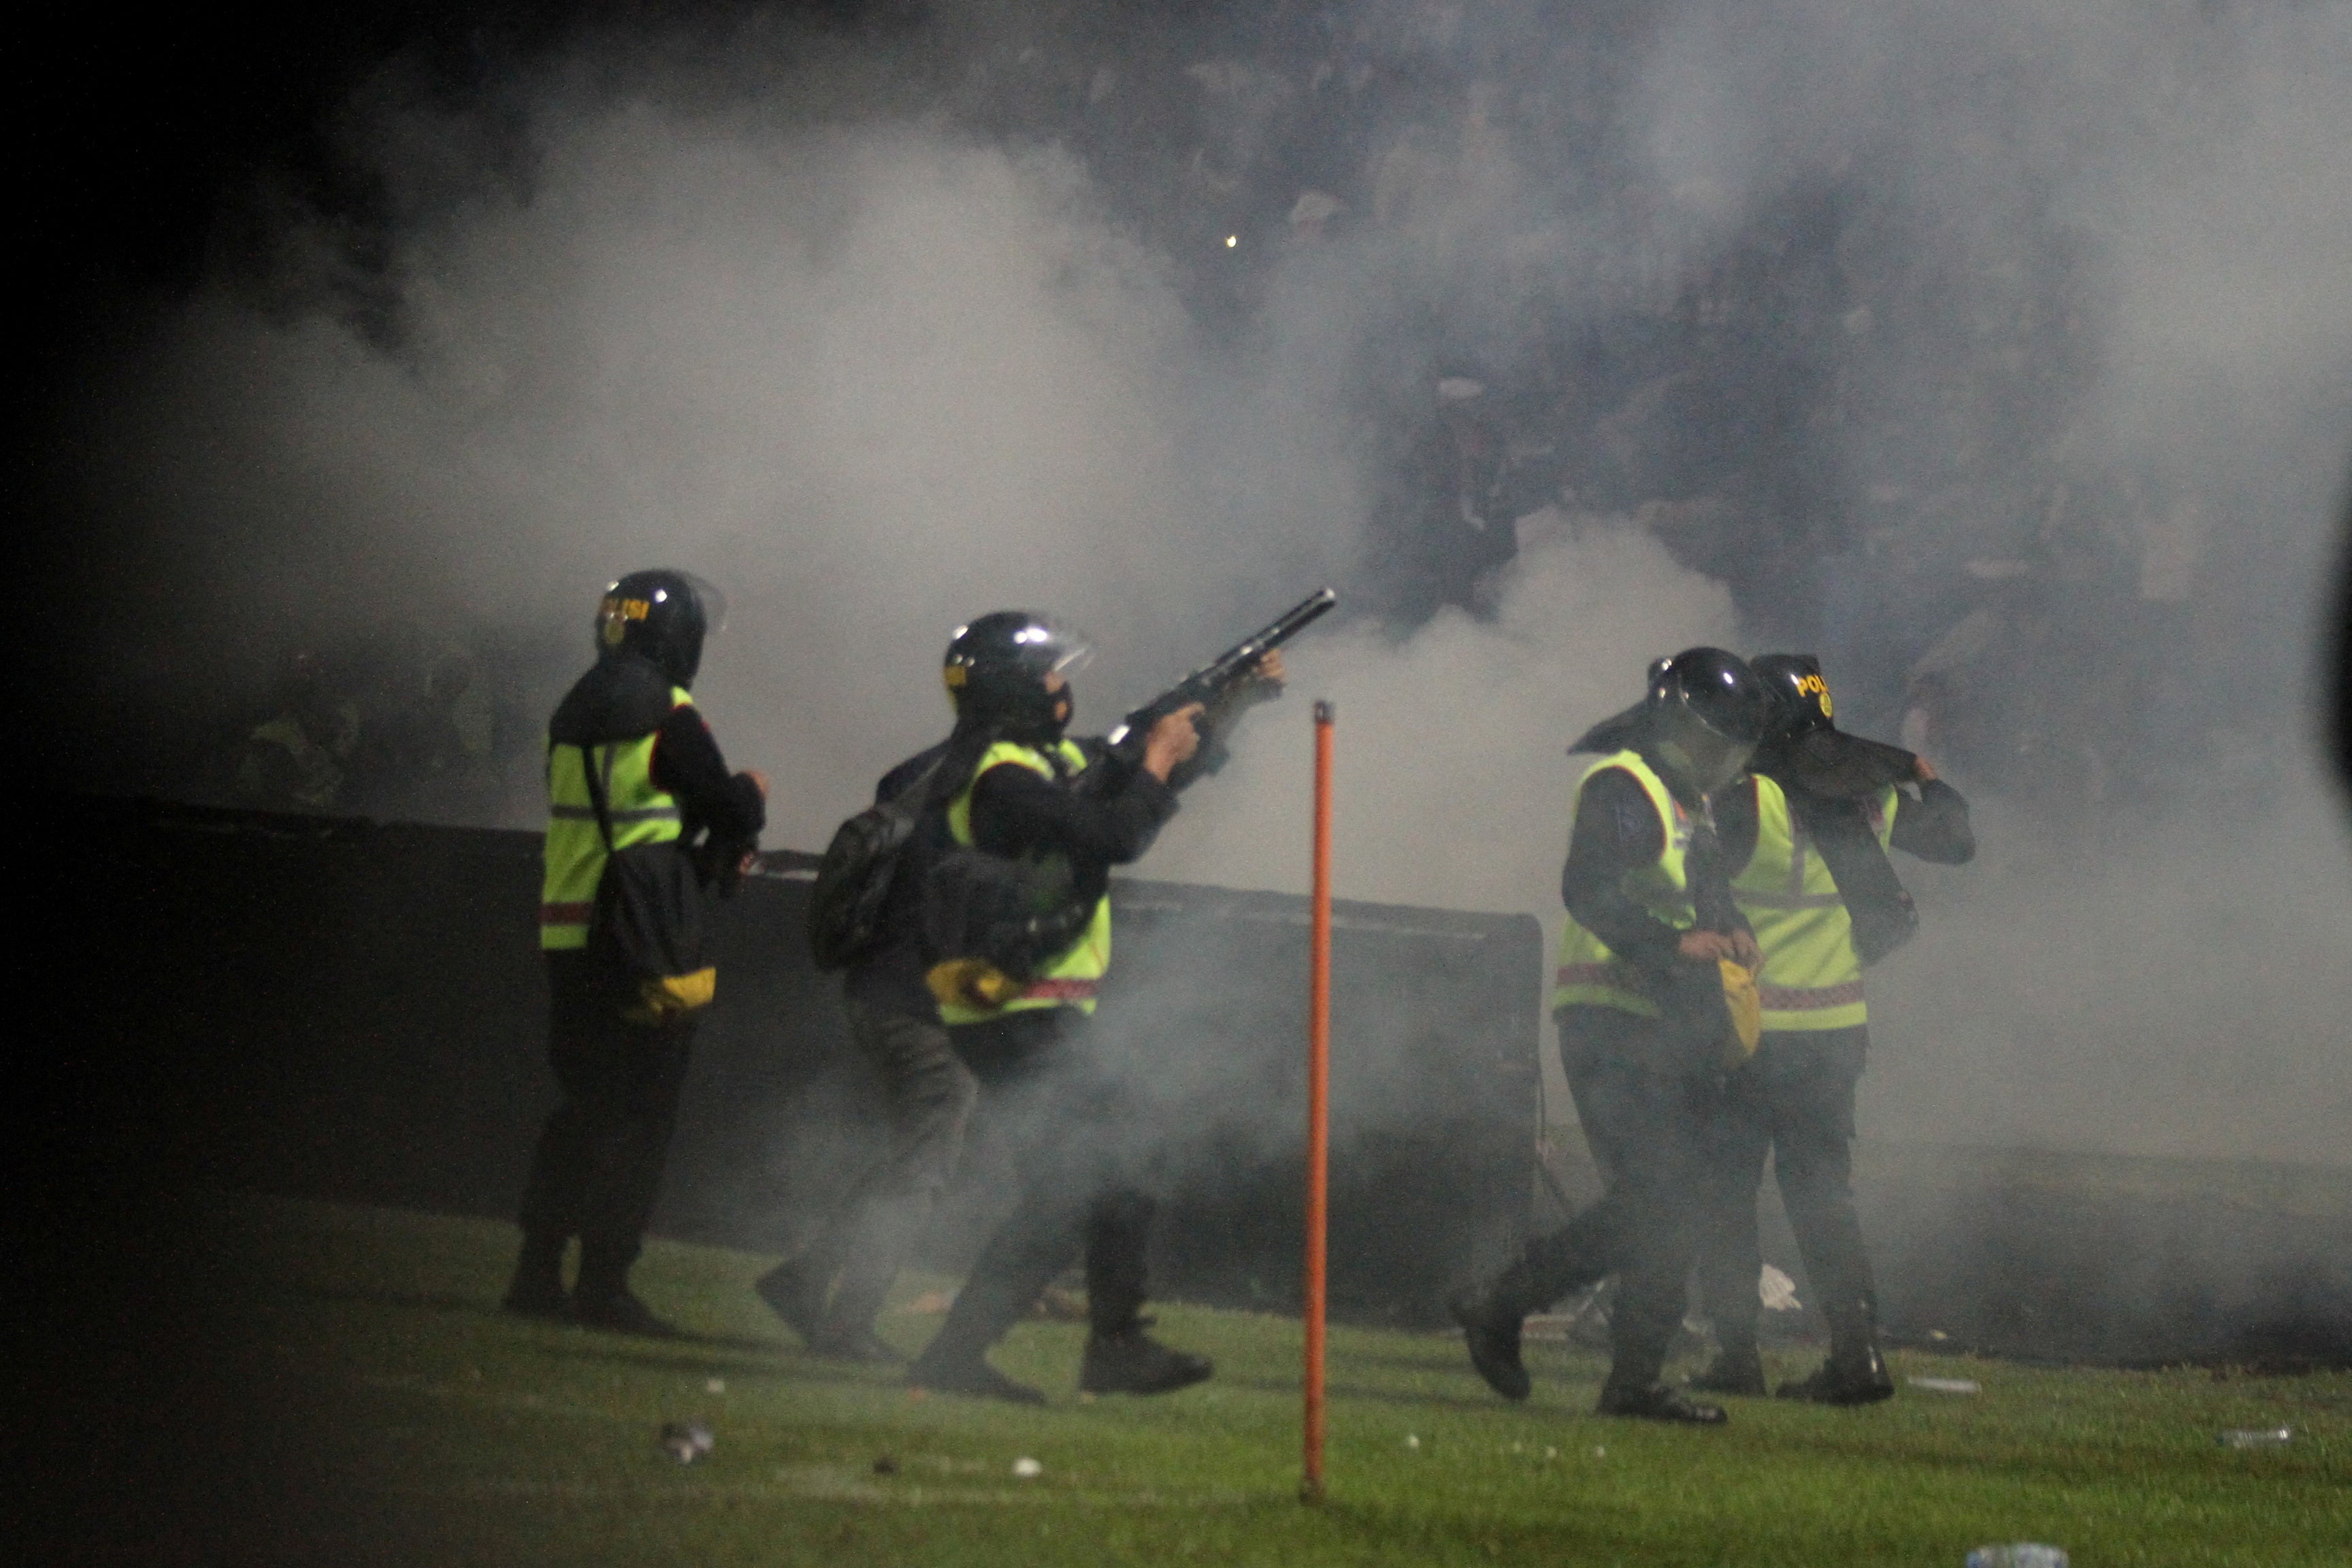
x,y
647,927
847,904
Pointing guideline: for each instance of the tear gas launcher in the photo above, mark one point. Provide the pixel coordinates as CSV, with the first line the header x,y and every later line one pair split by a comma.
x,y
1224,686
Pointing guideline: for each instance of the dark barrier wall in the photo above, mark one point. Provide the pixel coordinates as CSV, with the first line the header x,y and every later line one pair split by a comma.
x,y
355,1011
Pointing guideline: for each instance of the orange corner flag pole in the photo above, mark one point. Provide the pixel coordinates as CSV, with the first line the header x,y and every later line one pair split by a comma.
x,y
1318,1099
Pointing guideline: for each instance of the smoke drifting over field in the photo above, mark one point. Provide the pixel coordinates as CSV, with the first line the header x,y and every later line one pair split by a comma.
x,y
883,332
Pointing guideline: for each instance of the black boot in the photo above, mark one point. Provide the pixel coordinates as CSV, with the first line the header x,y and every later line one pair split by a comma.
x,y
1128,1361
1656,1402
1490,1329
536,1288
1855,1374
1736,1369
794,1293
1852,1376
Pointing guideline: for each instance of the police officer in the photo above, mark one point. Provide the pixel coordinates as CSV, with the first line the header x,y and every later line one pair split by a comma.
x,y
1641,1004
1817,800
1019,788
619,1055
832,1291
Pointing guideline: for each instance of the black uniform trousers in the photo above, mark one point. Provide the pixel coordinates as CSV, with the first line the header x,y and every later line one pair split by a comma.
x,y
1795,1101
1076,1134
1645,1097
599,1161
929,1095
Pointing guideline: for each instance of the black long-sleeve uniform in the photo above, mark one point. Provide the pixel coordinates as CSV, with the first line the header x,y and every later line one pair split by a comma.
x,y
1795,1101
598,1165
1642,1086
1079,1129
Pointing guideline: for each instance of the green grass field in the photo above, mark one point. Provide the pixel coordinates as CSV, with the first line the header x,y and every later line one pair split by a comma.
x,y
461,1435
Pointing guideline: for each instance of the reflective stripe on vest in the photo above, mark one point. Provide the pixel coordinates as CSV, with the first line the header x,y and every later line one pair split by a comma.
x,y
1813,976
1068,980
1590,975
575,851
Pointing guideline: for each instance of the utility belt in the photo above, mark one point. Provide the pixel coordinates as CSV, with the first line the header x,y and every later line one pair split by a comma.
x,y
1732,1014
974,981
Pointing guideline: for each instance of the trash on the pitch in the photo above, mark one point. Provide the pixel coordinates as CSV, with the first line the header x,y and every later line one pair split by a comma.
x,y
1937,1334
715,1385
1777,1291
687,1441
1601,1453
1552,1453
2018,1554
1946,1384
931,1303
1412,1440
2256,1437
886,1465
1027,1469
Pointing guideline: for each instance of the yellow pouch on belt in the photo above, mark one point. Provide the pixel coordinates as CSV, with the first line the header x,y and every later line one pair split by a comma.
x,y
666,996
1747,1005
970,982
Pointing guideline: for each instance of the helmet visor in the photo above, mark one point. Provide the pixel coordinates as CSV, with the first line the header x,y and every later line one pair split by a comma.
x,y
1051,646
712,602
1707,758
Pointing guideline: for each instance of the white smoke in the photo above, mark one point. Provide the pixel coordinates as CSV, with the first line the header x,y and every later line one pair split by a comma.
x,y
880,376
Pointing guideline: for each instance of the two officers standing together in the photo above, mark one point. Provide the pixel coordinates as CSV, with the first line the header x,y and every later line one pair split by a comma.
x,y
645,816
1726,880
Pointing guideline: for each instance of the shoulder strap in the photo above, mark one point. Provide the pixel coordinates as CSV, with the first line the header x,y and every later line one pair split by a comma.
x,y
596,794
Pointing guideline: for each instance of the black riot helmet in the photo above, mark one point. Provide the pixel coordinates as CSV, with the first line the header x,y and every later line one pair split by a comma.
x,y
1807,749
995,672
1801,697
1706,711
661,616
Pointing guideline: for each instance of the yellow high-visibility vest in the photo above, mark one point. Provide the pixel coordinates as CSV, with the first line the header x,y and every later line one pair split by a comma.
x,y
1590,975
1812,975
575,852
1069,979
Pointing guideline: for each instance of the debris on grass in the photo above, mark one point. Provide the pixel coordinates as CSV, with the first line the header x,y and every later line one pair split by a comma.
x,y
931,1303
1946,1384
715,1385
1412,1440
1027,1469
2018,1554
687,1441
2256,1437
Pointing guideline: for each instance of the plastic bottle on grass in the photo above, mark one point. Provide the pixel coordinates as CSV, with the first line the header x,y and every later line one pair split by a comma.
x,y
2018,1554
2256,1437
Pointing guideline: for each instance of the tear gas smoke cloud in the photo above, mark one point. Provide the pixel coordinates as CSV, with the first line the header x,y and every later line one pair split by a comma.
x,y
879,374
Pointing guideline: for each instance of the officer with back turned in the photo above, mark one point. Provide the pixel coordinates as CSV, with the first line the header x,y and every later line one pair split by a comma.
x,y
1820,809
1652,949
618,1044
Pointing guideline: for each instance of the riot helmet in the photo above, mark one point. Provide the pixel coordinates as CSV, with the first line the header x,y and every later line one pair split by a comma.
x,y
1706,712
661,616
1806,748
1801,697
996,666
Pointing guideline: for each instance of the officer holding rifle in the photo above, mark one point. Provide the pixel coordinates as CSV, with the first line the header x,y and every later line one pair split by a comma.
x,y
980,977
